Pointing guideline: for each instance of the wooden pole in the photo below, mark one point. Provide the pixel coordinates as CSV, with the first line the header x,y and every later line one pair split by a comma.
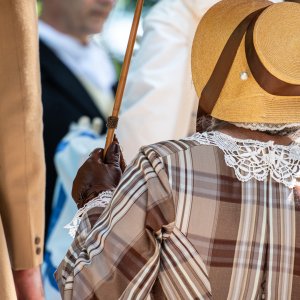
x,y
112,121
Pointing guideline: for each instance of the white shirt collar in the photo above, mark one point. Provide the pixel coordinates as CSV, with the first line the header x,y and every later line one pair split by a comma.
x,y
89,62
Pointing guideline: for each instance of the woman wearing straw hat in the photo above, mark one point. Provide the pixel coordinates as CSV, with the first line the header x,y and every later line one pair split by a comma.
x,y
216,215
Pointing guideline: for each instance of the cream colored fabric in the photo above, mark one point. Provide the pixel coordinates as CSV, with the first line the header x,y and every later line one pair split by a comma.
x,y
159,95
22,169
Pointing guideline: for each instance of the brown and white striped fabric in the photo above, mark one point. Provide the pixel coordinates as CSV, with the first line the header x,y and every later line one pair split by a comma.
x,y
182,226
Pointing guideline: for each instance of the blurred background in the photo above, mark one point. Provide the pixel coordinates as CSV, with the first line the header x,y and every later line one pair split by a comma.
x,y
82,46
116,30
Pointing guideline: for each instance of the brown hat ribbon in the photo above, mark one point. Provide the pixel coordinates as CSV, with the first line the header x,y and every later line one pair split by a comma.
x,y
264,78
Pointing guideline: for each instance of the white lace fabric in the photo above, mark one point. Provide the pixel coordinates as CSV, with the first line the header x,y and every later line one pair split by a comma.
x,y
255,159
267,126
102,200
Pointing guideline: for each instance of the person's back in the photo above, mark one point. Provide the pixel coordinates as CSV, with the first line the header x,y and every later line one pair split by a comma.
x,y
213,216
206,219
233,217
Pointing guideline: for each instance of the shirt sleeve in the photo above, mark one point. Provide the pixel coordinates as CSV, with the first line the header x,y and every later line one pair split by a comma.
x,y
117,255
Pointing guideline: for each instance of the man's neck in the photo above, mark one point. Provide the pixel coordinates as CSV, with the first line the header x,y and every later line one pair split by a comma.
x,y
63,28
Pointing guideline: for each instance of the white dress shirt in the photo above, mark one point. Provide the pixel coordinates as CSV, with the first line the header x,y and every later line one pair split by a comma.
x,y
89,62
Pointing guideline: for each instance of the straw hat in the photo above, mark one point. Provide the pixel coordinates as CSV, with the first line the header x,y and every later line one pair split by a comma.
x,y
246,61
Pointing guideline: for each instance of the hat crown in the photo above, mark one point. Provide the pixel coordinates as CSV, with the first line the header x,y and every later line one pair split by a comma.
x,y
215,29
277,41
229,26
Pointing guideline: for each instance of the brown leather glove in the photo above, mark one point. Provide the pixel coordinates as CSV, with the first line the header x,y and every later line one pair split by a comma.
x,y
97,174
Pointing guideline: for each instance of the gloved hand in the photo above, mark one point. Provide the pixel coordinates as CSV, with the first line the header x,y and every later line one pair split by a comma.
x,y
97,174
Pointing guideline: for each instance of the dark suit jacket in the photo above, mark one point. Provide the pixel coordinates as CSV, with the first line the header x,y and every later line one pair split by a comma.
x,y
65,100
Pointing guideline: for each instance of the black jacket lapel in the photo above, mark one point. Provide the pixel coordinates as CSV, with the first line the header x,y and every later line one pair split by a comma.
x,y
55,71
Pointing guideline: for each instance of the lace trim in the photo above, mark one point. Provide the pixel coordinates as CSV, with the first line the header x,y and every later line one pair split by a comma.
x,y
267,126
101,200
255,159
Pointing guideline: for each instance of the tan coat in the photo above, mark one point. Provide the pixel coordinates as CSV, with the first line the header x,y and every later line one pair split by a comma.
x,y
22,170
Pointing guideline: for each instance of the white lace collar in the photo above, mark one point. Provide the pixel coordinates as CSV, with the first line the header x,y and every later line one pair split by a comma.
x,y
255,159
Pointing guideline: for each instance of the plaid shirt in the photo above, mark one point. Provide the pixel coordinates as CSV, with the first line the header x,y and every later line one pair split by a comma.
x,y
182,226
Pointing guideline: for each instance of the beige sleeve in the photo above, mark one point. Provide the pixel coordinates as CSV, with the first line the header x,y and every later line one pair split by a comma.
x,y
22,167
